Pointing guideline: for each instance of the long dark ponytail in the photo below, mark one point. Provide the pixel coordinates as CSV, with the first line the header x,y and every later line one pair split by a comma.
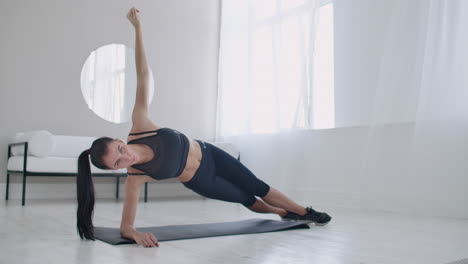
x,y
85,186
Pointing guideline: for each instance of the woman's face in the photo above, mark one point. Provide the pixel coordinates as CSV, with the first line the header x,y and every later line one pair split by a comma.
x,y
119,155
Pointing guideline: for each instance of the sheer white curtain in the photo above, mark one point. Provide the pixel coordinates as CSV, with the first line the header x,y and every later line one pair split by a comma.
x,y
266,67
405,144
420,104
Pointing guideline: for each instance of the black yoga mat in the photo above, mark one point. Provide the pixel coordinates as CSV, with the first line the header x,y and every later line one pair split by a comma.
x,y
175,232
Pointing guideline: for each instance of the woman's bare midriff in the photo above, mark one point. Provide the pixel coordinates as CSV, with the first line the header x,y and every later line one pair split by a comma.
x,y
193,161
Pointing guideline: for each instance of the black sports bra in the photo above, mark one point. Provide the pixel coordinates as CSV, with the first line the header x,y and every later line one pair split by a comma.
x,y
170,149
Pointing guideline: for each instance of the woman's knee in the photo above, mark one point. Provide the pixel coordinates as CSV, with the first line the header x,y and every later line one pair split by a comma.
x,y
262,189
250,203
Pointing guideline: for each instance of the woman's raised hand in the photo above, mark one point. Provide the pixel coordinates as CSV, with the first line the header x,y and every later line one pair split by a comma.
x,y
134,17
146,239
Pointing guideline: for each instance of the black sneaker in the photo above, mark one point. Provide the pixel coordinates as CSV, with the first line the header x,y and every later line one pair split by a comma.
x,y
311,216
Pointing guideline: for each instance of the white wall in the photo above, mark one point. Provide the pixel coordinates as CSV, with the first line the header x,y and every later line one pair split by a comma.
x,y
44,45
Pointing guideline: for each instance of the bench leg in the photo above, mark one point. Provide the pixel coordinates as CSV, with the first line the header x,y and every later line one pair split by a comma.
x,y
117,180
24,187
146,192
7,185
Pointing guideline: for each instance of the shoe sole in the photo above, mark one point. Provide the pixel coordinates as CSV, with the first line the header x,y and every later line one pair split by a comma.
x,y
299,221
306,222
321,224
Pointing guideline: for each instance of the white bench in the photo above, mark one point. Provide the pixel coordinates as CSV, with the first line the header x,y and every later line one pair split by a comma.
x,y
40,153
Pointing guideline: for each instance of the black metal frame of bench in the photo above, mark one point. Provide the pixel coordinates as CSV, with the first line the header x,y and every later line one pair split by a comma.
x,y
26,173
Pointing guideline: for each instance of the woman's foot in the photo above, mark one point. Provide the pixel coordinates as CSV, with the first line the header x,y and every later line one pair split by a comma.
x,y
311,216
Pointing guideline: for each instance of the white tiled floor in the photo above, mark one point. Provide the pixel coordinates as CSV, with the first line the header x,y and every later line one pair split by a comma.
x,y
44,232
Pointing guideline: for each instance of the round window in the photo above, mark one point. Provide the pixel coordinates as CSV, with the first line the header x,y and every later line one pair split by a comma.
x,y
108,82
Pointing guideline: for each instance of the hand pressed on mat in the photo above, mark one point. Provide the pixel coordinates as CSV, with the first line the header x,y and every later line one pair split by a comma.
x,y
146,239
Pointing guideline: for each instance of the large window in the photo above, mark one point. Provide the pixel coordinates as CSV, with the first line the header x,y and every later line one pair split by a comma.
x,y
282,33
323,102
276,66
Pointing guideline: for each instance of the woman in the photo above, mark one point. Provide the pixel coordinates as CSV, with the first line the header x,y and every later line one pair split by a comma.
x,y
155,153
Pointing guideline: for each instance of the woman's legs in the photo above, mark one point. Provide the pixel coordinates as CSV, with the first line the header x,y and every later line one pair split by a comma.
x,y
225,178
261,207
232,170
278,199
235,172
207,183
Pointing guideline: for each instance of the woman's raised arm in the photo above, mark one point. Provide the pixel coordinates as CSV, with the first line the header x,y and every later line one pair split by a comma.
x,y
141,101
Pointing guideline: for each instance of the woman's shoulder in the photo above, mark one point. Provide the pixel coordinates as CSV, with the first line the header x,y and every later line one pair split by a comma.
x,y
144,125
132,137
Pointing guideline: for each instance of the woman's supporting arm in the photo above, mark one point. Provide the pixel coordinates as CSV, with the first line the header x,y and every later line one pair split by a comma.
x,y
132,194
127,229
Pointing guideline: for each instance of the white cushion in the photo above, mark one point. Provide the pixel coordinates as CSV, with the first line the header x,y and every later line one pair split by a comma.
x,y
40,143
53,164
71,146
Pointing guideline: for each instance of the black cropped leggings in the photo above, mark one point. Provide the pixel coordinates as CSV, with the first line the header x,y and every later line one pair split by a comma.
x,y
222,177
